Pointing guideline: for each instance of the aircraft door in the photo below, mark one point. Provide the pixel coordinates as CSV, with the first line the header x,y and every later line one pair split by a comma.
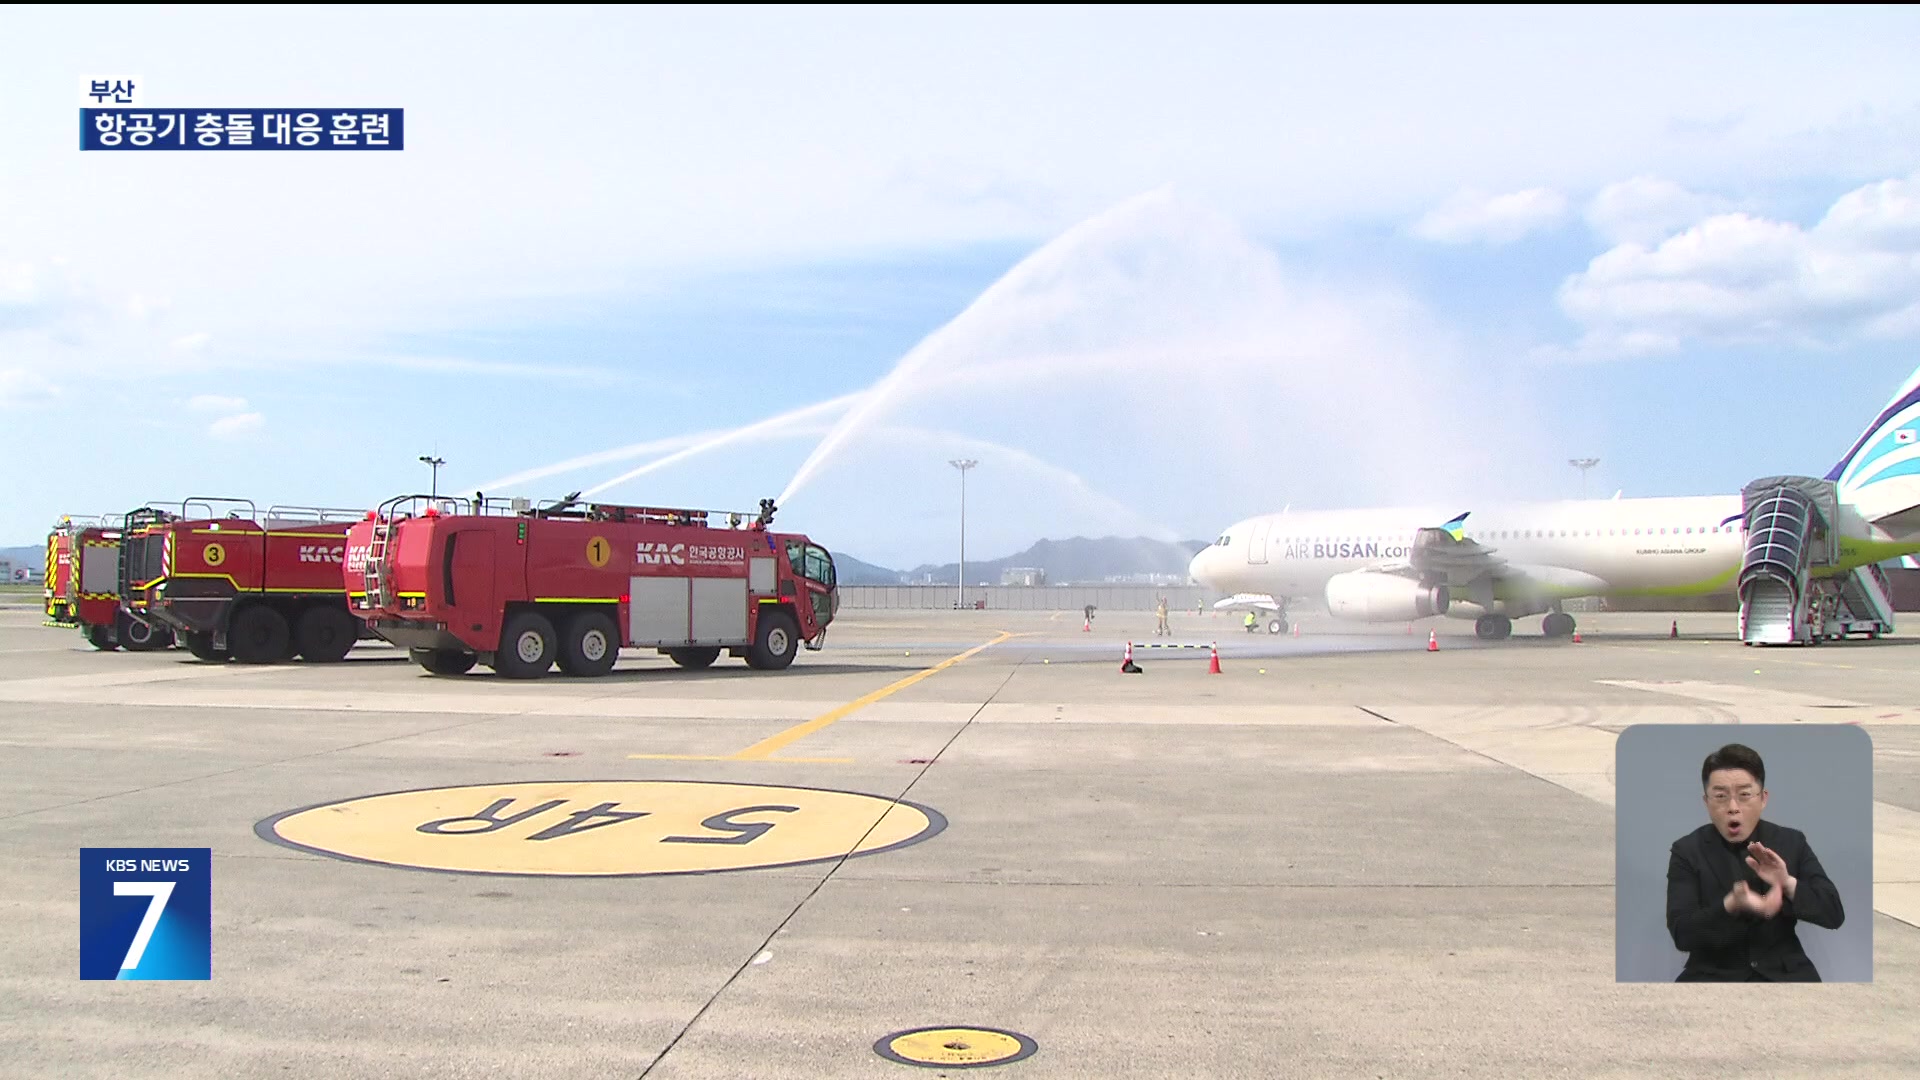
x,y
1257,542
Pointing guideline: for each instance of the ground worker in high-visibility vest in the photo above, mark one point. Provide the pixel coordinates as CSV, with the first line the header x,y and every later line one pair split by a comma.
x,y
1250,622
1161,611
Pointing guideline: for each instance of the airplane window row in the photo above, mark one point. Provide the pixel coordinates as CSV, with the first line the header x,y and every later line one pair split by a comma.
x,y
1527,534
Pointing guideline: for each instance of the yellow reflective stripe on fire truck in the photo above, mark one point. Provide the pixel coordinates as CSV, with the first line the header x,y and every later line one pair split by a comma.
x,y
576,599
228,578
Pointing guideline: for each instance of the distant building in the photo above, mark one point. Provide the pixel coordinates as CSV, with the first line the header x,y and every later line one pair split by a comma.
x,y
1023,575
1146,579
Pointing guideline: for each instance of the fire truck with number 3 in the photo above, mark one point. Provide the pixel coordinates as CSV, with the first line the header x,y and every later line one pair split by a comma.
x,y
521,588
235,584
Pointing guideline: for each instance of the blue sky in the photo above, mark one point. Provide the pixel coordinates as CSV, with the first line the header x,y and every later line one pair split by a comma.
x,y
1156,269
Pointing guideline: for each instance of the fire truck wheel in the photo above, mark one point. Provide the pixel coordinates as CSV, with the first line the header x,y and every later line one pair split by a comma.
x,y
259,635
590,645
527,646
444,661
101,638
695,659
324,634
201,646
774,644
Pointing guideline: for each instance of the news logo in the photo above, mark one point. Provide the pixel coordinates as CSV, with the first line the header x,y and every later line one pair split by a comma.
x,y
146,913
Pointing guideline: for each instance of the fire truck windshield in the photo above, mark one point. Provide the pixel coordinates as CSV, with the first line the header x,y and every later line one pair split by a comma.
x,y
819,566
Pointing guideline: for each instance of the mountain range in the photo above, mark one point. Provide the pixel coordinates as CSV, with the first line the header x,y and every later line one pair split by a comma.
x,y
1076,560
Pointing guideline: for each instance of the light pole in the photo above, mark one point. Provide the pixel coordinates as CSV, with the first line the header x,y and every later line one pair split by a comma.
x,y
1583,464
436,463
963,465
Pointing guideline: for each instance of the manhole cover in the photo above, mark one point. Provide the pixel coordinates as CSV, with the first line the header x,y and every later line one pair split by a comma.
x,y
955,1047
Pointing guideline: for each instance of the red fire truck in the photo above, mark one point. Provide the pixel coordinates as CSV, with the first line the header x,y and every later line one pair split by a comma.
x,y
518,588
237,584
62,609
83,585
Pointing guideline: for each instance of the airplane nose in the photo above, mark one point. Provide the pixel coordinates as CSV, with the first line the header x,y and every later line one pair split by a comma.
x,y
1197,569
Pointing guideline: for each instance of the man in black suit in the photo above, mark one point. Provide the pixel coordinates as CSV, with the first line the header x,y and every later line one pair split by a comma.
x,y
1737,885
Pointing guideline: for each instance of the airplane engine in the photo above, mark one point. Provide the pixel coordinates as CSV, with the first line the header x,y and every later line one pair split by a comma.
x,y
1374,597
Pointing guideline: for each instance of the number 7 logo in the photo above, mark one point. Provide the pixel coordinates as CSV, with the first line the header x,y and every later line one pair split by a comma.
x,y
160,892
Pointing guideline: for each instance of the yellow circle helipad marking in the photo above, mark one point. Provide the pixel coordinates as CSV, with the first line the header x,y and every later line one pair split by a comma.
x,y
603,828
955,1047
598,550
214,554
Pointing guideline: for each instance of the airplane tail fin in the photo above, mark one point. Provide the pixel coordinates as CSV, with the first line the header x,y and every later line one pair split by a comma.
x,y
1880,474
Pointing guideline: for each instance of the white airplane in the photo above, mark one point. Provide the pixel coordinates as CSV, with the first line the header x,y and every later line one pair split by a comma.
x,y
1499,563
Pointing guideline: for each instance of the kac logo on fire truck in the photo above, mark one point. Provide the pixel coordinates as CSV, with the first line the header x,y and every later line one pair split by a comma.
x,y
650,553
717,553
319,553
357,560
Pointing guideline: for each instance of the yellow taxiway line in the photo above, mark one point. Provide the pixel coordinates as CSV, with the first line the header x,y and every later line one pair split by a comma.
x,y
761,750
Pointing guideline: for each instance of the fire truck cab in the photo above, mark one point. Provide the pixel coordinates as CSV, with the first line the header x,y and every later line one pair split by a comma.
x,y
83,585
520,589
237,584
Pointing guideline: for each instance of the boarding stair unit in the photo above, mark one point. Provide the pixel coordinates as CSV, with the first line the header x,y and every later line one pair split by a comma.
x,y
1789,591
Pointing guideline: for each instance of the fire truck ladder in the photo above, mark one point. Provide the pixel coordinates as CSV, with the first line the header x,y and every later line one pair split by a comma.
x,y
140,555
377,570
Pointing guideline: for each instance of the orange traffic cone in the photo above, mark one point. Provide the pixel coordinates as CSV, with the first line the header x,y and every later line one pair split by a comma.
x,y
1433,641
1675,631
1127,665
1296,629
1088,625
1213,665
1576,637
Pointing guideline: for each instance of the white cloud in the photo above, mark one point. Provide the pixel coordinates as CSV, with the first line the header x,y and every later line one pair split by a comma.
x,y
1647,209
1475,217
234,427
191,342
18,386
1741,278
215,403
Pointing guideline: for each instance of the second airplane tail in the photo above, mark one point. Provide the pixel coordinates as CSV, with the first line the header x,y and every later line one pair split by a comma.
x,y
1880,474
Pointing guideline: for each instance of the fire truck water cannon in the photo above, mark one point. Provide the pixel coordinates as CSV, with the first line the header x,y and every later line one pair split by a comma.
x,y
521,589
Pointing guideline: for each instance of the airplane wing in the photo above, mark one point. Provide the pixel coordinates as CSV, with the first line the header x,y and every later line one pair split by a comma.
x,y
1256,601
1445,555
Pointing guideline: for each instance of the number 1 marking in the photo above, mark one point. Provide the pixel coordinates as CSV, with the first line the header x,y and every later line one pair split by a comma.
x,y
160,891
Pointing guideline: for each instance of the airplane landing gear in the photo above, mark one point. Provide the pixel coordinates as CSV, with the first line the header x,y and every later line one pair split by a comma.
x,y
1493,627
1277,625
1558,624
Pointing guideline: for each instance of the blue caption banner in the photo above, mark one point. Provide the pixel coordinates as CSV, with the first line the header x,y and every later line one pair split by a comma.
x,y
242,129
146,913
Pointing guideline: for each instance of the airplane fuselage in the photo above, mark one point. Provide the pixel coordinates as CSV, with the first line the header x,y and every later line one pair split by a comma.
x,y
1685,546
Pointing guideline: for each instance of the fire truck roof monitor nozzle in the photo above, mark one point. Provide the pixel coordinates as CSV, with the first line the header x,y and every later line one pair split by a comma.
x,y
766,513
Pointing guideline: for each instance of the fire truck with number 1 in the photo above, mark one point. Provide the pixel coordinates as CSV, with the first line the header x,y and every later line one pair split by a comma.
x,y
519,589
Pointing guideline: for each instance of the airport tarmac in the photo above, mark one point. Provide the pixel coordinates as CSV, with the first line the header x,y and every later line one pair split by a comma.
x,y
1342,856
